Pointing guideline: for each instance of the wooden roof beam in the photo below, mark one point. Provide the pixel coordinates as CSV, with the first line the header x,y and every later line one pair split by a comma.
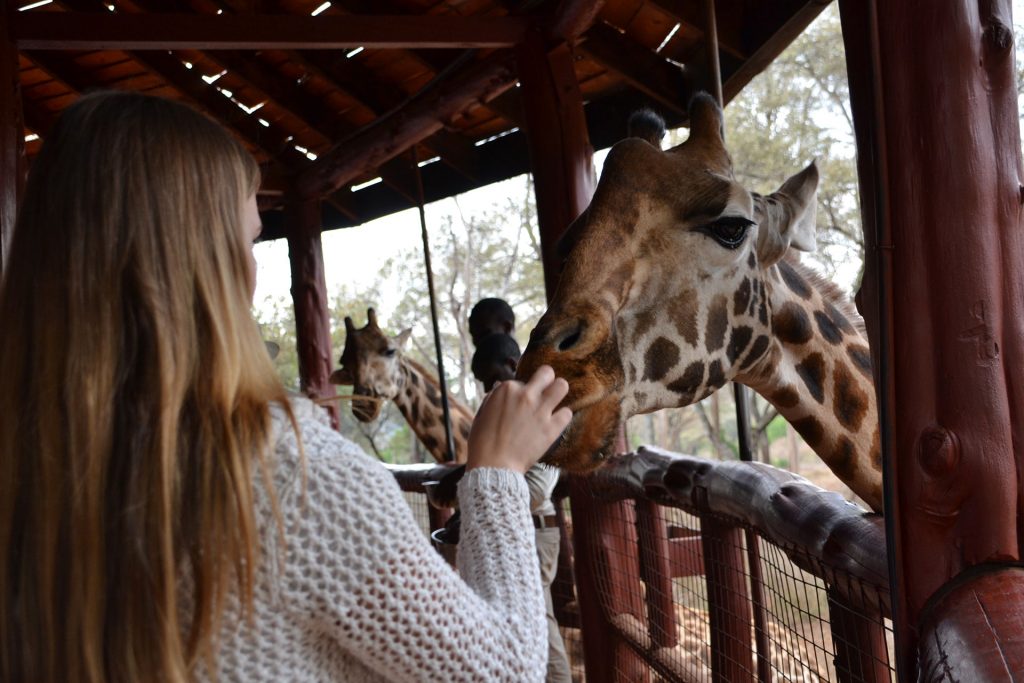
x,y
691,14
644,70
480,83
125,31
770,37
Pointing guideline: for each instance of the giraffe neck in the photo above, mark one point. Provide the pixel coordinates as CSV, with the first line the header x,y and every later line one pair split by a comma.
x,y
817,373
419,401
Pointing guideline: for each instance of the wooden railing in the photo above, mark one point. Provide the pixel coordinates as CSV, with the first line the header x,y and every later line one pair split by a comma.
x,y
738,513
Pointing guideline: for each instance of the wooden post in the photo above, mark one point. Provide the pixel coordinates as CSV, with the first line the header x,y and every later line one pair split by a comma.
x,y
940,172
656,572
862,655
729,602
309,295
12,135
560,151
605,536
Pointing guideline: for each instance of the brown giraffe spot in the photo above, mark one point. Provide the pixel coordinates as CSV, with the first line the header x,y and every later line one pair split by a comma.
x,y
812,372
464,430
661,356
843,462
414,410
738,342
752,260
849,402
644,321
876,450
756,351
827,328
861,357
715,376
640,397
786,397
762,312
791,325
812,431
415,378
684,315
687,384
794,281
742,298
431,443
718,321
432,395
839,320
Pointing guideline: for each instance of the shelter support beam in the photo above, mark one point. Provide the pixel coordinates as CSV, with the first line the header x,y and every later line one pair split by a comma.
x,y
482,82
309,295
940,173
125,31
12,138
604,533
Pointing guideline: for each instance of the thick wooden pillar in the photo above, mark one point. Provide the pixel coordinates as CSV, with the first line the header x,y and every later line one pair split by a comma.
x,y
309,296
12,135
560,152
606,561
935,110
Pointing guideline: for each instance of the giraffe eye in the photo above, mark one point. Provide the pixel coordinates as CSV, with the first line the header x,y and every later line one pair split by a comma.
x,y
729,231
389,352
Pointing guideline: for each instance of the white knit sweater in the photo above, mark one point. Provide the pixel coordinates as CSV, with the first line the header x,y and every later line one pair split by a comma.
x,y
362,596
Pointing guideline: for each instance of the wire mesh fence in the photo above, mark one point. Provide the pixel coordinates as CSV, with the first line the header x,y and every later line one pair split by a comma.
x,y
691,570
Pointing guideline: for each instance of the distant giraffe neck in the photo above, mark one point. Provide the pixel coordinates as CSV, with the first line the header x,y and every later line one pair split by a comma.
x,y
419,401
817,373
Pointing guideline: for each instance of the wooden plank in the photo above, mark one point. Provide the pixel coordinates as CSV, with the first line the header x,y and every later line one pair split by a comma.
x,y
945,252
642,68
390,137
124,31
309,296
12,137
770,39
728,601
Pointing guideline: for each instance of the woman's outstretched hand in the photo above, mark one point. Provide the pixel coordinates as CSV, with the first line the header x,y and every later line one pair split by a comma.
x,y
517,422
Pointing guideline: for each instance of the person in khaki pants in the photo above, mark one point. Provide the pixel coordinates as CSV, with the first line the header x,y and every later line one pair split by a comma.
x,y
494,361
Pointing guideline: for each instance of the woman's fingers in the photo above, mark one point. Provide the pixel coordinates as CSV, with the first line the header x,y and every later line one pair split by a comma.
x,y
553,394
541,378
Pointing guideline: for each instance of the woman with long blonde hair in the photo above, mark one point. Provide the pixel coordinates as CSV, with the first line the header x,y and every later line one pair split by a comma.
x,y
167,512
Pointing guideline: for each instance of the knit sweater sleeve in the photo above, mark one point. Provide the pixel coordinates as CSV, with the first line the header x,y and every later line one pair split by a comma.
x,y
364,573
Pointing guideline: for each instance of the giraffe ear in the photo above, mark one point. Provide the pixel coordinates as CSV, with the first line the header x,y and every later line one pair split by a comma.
x,y
402,338
788,217
342,376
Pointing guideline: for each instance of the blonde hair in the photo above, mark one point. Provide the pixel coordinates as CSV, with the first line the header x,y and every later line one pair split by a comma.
x,y
134,397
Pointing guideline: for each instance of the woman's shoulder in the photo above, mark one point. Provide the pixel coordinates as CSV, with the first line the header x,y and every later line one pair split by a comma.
x,y
321,445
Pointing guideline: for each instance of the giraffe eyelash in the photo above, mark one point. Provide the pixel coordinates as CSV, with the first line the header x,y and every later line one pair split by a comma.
x,y
728,231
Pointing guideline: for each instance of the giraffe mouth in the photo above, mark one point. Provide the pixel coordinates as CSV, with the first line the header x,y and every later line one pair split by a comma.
x,y
365,411
589,439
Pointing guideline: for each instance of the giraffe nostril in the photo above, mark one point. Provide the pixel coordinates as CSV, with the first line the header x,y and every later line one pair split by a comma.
x,y
570,338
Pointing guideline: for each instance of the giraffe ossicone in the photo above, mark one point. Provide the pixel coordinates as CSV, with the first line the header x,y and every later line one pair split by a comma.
x,y
375,366
678,280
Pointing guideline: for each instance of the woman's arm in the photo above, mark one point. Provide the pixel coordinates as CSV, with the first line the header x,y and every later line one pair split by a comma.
x,y
361,568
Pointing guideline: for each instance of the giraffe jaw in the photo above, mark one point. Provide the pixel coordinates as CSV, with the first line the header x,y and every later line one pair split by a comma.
x,y
589,439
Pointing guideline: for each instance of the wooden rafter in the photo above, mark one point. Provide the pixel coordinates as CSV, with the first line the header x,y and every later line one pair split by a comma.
x,y
691,14
125,31
421,119
643,69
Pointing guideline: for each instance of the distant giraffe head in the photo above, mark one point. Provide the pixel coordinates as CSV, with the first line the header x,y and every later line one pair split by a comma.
x,y
373,363
676,282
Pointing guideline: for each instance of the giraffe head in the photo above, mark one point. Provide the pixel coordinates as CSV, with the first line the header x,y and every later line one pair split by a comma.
x,y
371,363
662,296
